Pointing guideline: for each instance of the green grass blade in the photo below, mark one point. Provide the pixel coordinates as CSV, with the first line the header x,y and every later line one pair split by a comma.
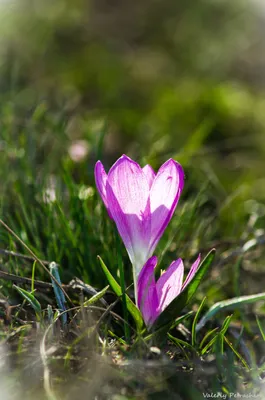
x,y
193,329
219,345
237,353
133,310
184,298
207,335
181,319
226,324
209,345
230,304
260,328
96,297
33,275
30,299
123,289
179,341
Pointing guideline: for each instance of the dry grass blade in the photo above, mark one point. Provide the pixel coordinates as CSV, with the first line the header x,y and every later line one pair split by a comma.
x,y
46,372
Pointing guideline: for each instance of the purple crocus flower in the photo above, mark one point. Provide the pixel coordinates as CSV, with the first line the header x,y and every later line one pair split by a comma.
x,y
154,297
140,202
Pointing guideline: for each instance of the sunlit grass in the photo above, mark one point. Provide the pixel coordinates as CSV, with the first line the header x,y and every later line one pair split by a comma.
x,y
64,221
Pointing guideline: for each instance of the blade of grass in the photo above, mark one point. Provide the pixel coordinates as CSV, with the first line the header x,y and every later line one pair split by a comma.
x,y
206,336
230,304
133,310
181,319
30,299
209,345
34,256
182,342
33,275
96,297
260,328
221,334
193,329
237,353
123,289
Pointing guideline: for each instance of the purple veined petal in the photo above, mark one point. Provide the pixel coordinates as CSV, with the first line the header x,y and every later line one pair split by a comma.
x,y
127,193
129,185
192,271
150,174
101,181
147,294
170,283
164,195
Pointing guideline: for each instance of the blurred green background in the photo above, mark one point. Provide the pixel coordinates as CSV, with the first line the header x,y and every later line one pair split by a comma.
x,y
85,80
162,75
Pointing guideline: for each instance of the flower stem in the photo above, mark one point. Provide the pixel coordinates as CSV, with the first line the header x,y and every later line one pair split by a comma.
x,y
123,288
135,285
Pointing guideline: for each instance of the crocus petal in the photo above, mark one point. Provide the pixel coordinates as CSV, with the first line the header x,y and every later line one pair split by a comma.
x,y
150,174
101,181
147,294
164,196
127,193
169,284
192,271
